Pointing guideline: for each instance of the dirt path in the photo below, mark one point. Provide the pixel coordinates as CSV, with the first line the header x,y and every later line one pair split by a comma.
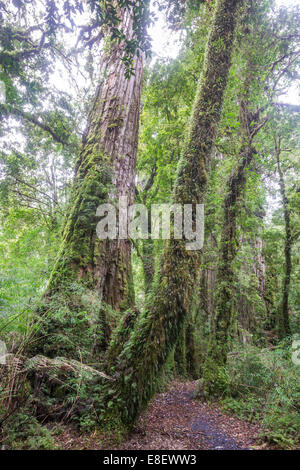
x,y
175,421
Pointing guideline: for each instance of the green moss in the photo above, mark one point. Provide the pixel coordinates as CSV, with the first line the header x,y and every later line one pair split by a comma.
x,y
180,351
141,361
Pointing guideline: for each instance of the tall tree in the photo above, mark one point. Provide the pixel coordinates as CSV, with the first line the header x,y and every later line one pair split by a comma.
x,y
284,322
222,318
251,122
105,171
137,368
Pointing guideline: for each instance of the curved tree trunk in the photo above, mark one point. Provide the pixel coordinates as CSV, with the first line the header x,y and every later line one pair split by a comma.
x,y
139,365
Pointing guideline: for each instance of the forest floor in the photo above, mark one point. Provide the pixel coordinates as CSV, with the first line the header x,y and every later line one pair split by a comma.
x,y
174,420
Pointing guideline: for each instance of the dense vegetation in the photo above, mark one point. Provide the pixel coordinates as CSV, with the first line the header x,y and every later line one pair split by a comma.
x,y
94,328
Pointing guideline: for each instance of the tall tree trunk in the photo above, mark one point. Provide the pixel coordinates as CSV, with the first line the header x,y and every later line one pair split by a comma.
x,y
180,363
191,363
213,373
105,170
269,298
148,261
283,320
184,352
110,145
148,255
138,367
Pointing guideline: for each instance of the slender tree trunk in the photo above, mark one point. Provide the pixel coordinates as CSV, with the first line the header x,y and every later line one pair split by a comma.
x,y
180,363
148,261
105,170
269,298
191,363
138,367
284,322
110,144
147,255
184,352
213,374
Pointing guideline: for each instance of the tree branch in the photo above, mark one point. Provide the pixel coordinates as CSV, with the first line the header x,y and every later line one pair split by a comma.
x,y
36,121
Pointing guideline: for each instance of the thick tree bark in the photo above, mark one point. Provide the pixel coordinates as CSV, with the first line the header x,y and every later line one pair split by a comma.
x,y
138,367
105,170
147,252
110,145
283,320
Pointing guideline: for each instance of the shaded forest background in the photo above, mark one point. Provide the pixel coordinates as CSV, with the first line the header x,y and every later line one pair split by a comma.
x,y
71,323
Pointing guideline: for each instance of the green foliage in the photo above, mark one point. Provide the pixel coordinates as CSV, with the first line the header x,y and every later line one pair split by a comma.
x,y
263,386
23,432
70,323
27,251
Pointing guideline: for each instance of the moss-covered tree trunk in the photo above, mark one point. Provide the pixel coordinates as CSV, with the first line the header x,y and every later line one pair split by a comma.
x,y
156,332
148,261
147,251
184,352
100,270
216,357
191,363
269,298
283,317
180,359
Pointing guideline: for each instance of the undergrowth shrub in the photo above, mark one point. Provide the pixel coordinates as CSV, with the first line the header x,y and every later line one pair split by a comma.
x,y
23,432
263,385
